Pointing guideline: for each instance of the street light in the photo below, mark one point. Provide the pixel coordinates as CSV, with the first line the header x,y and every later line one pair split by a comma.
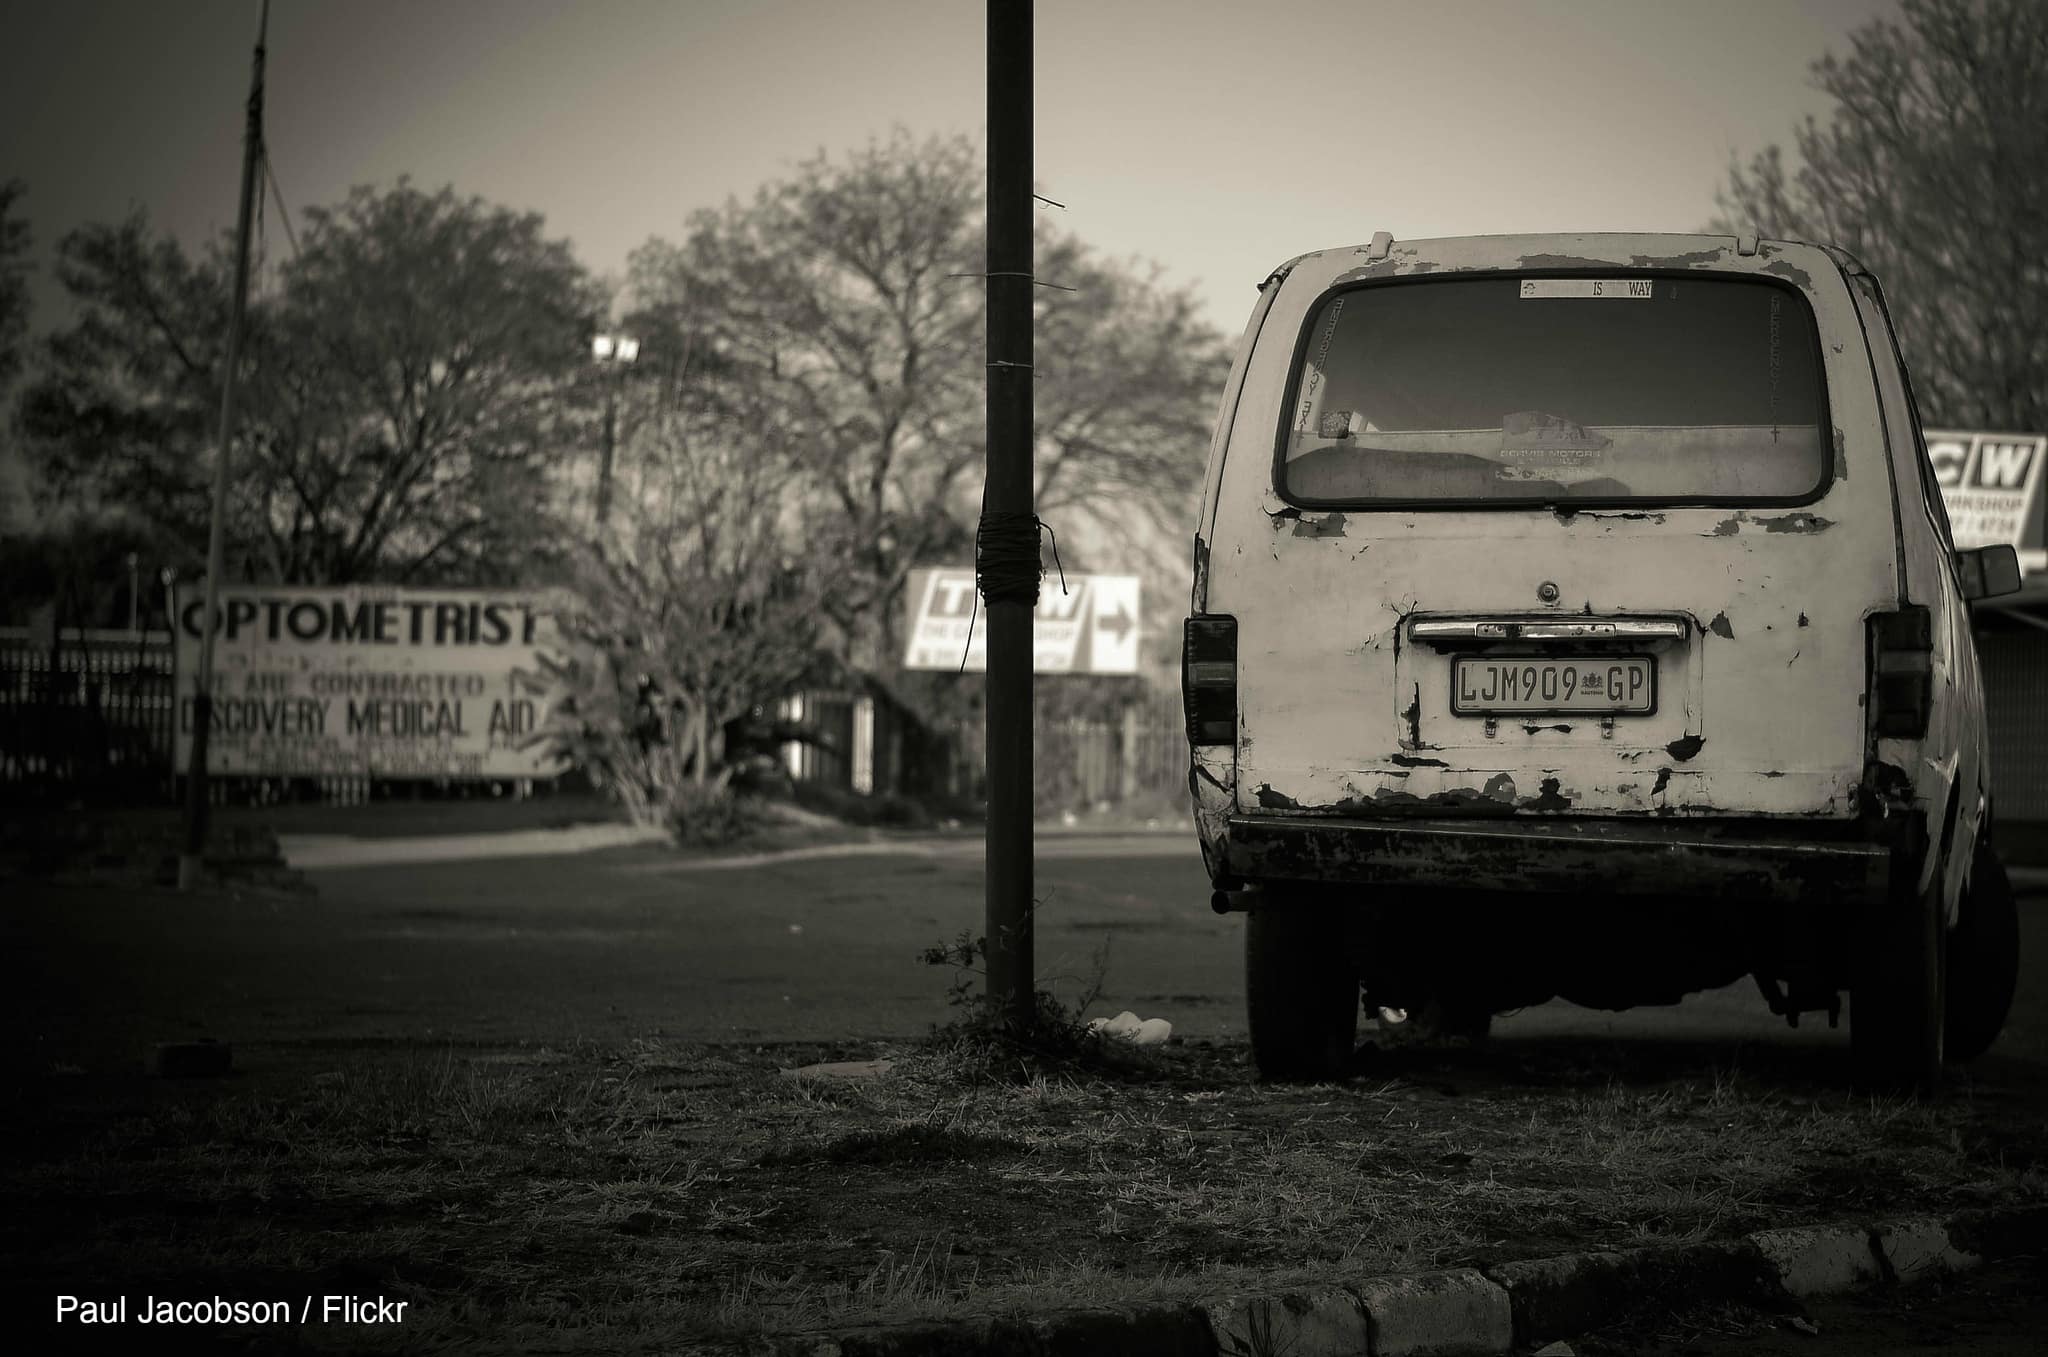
x,y
615,352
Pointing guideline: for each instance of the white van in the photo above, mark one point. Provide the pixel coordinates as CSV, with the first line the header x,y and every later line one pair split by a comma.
x,y
1578,616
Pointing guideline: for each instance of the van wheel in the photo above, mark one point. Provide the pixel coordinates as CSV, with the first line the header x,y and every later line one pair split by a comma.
x,y
1301,990
1983,959
1896,1004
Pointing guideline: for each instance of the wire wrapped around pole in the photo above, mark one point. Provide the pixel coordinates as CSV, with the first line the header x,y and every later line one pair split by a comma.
x,y
1007,564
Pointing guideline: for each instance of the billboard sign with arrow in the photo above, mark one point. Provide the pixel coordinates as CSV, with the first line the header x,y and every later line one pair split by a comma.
x,y
1092,628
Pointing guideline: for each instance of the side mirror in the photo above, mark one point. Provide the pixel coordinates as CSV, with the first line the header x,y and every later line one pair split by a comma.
x,y
1987,572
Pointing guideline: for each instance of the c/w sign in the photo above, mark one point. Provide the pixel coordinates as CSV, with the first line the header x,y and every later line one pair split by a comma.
x,y
1090,629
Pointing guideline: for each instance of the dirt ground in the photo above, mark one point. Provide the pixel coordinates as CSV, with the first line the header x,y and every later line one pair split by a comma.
x,y
549,1104
650,1195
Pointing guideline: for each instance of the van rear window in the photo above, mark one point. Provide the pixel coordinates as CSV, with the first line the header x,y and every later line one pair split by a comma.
x,y
1512,389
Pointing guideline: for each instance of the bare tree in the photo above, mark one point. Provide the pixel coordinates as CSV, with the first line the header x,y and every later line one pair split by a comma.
x,y
691,610
848,301
1933,170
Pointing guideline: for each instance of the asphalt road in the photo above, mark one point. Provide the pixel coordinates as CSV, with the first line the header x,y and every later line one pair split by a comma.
x,y
634,941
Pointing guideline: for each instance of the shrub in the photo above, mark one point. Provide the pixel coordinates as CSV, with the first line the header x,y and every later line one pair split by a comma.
x,y
708,815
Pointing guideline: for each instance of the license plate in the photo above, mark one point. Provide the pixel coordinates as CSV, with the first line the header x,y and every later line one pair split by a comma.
x,y
1617,684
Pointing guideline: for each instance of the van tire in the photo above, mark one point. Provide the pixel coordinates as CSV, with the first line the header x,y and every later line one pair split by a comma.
x,y
1983,959
1896,1003
1301,990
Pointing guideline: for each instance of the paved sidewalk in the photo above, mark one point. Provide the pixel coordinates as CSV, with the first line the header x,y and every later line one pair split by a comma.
x,y
316,852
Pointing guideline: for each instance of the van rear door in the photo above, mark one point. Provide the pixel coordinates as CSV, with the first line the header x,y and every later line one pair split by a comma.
x,y
1557,543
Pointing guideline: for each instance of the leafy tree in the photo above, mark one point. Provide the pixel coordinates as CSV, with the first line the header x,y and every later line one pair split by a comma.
x,y
119,417
14,316
1933,170
847,302
81,567
14,301
415,390
406,388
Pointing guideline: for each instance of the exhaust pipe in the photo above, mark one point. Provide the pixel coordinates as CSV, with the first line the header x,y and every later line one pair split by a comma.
x,y
1242,900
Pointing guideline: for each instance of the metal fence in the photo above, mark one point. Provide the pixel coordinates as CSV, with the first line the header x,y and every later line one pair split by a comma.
x,y
1139,756
86,714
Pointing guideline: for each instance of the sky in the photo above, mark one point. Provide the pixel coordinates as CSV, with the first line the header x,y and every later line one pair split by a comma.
x,y
1215,139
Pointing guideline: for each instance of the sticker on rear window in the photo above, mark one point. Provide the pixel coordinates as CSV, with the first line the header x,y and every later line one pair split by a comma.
x,y
1317,367
1535,446
1624,289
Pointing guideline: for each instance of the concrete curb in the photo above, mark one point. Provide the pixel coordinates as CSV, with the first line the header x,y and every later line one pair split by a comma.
x,y
1469,1312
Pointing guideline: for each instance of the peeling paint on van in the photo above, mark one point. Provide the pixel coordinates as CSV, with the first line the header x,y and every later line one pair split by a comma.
x,y
1719,626
1629,515
1841,455
1564,261
1792,522
1319,525
1684,749
1694,259
1791,273
1384,268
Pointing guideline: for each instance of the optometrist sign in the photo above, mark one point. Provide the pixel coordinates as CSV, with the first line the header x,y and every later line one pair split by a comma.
x,y
1991,483
369,681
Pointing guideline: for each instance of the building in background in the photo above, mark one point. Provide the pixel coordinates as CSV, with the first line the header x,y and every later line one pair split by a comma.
x,y
1992,486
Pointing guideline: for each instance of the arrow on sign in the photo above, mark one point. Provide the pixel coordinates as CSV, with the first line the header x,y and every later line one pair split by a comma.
x,y
1117,624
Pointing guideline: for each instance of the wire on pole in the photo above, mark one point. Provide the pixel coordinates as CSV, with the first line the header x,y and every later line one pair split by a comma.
x,y
277,195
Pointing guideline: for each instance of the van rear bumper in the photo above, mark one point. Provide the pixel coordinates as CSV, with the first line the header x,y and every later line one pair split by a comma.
x,y
1790,861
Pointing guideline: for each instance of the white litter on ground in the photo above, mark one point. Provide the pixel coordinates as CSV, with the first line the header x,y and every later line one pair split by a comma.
x,y
1128,1026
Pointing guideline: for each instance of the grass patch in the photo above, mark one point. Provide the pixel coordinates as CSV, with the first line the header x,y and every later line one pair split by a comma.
x,y
650,1195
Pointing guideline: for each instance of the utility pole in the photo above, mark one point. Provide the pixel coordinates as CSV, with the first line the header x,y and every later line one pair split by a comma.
x,y
216,547
613,354
1006,553
604,466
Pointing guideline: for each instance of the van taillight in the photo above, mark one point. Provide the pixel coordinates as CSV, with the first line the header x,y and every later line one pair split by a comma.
x,y
1208,679
1902,681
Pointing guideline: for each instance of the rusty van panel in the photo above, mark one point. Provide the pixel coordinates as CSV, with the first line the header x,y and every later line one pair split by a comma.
x,y
1759,696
